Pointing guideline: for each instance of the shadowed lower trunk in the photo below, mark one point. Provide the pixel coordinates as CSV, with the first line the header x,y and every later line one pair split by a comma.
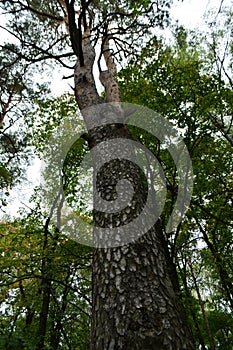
x,y
134,304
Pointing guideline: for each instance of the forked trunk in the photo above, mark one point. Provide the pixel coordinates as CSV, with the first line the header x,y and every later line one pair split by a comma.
x,y
134,301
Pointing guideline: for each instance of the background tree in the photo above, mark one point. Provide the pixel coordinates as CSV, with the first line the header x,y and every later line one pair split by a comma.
x,y
45,288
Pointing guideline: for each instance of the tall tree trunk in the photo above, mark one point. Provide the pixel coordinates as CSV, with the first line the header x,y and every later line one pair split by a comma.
x,y
134,303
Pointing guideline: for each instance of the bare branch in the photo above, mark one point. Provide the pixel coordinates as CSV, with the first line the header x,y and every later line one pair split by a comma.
x,y
47,55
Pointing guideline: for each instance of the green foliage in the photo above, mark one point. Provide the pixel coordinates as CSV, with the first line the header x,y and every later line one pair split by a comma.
x,y
179,82
21,288
49,114
221,324
4,176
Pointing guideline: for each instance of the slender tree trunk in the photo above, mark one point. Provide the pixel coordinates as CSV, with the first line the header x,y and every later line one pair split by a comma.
x,y
56,331
46,293
43,315
202,307
219,262
192,311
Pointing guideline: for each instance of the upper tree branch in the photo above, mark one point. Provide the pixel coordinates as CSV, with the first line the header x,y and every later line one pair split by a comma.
x,y
83,15
75,33
35,11
6,105
47,55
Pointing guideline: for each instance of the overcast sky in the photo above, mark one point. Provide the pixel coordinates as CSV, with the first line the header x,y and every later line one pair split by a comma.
x,y
191,12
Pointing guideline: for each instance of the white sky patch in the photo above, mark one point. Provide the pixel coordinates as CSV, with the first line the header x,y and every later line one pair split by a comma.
x,y
20,194
190,12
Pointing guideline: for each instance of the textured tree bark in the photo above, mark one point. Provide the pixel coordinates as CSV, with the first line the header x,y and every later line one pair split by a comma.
x,y
85,88
134,302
